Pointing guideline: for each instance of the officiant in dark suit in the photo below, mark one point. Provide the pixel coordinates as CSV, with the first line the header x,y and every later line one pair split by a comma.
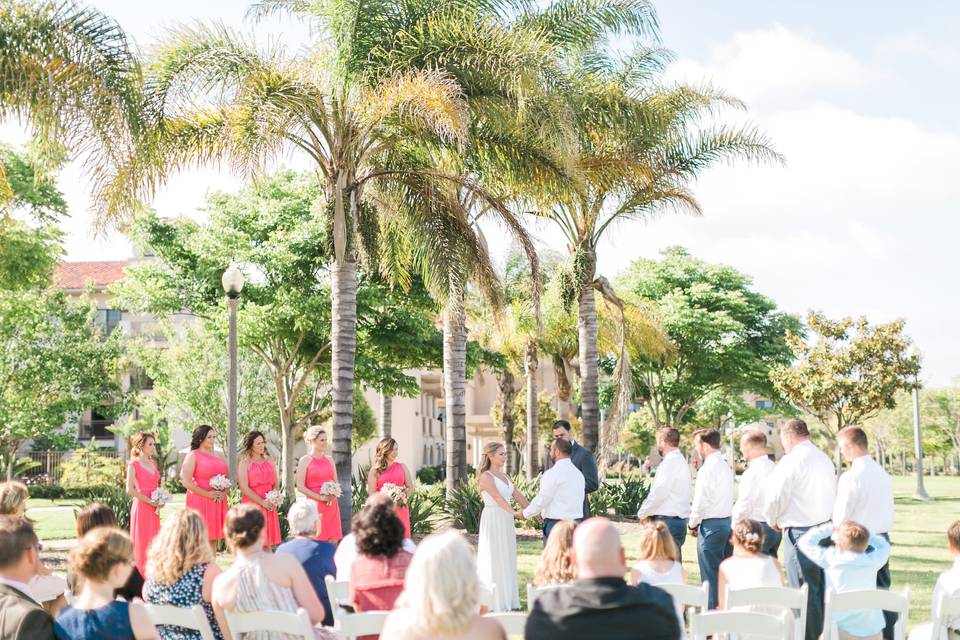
x,y
582,459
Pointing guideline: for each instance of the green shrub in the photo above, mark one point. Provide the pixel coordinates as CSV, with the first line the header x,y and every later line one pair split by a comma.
x,y
529,488
428,475
175,485
424,506
47,491
463,507
282,514
358,488
82,492
114,497
88,467
621,498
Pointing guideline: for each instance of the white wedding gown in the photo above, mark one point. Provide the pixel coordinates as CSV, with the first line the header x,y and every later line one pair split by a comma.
x,y
497,548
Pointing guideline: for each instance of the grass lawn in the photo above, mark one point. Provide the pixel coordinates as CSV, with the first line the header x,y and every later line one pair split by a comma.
x,y
57,519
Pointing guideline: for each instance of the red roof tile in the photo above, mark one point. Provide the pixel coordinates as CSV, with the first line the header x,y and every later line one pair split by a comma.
x,y
76,275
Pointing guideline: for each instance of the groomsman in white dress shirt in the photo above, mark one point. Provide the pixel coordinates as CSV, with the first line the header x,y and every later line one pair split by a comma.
x,y
753,483
865,495
711,509
799,497
562,489
669,496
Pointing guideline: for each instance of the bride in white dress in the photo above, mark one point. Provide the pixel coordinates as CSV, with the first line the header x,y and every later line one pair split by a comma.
x,y
497,546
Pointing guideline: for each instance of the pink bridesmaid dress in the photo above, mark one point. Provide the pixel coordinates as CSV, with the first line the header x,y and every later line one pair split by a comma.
x,y
213,513
144,519
394,475
262,479
320,470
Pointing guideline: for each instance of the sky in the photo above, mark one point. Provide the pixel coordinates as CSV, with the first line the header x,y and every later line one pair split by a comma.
x,y
860,97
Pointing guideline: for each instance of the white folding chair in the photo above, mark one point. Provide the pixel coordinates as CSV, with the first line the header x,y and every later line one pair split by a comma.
x,y
692,599
786,597
756,625
193,618
948,607
513,623
293,624
368,623
339,595
535,592
882,599
488,596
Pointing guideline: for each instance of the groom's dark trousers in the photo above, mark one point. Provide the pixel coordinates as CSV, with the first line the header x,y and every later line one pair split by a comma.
x,y
548,527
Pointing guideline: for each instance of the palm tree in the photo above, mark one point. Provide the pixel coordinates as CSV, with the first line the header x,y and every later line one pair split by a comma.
x,y
640,145
372,110
67,71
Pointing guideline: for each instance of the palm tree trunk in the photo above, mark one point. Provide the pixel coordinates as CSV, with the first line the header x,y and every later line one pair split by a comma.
x,y
508,420
455,389
342,357
589,371
531,362
386,415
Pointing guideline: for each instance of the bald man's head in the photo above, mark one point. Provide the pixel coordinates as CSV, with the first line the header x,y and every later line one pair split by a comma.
x,y
597,550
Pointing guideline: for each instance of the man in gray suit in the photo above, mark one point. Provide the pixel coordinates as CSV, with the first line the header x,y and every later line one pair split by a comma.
x,y
582,459
21,617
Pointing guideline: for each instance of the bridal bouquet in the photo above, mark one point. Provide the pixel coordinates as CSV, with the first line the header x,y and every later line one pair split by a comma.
x,y
331,489
160,496
396,493
220,482
275,498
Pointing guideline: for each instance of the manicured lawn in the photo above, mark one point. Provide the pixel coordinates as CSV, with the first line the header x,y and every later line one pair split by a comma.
x,y
56,519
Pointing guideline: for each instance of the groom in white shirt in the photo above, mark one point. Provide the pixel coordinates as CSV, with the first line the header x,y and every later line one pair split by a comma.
x,y
561,490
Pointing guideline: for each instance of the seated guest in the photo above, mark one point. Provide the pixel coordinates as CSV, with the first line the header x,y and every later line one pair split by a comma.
x,y
181,571
103,560
376,578
315,556
21,618
347,549
659,562
851,564
441,598
96,515
45,586
599,603
948,584
555,566
258,580
749,567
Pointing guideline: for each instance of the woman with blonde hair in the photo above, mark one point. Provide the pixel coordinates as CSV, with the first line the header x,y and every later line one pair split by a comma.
x,y
556,566
47,588
315,470
103,560
387,471
181,570
143,478
441,596
497,543
257,477
659,561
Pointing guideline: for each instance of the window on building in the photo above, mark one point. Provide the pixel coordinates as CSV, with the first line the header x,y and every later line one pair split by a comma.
x,y
96,426
766,405
140,381
109,319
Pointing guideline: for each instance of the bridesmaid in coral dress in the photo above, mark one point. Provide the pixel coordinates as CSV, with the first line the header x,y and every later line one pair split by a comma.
x,y
385,470
313,470
143,478
257,477
199,466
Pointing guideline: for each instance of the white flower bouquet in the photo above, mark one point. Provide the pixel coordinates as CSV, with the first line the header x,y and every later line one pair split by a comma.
x,y
160,496
220,482
396,493
275,498
330,489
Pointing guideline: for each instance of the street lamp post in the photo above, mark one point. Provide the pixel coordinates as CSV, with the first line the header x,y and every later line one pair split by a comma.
x,y
232,285
920,493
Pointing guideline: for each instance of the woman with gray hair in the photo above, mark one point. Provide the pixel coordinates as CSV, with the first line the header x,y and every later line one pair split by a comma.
x,y
315,556
441,595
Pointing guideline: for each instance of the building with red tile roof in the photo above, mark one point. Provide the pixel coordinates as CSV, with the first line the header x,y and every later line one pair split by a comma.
x,y
77,276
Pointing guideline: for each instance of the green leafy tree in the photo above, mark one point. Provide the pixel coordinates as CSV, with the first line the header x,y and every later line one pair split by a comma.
x,y
726,338
848,370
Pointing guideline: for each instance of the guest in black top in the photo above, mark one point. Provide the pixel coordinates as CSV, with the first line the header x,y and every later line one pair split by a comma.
x,y
600,603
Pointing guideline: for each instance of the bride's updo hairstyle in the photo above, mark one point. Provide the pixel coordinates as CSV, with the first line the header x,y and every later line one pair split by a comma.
x,y
488,450
243,526
749,535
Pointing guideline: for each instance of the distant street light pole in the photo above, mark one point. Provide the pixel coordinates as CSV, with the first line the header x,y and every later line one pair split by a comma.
x,y
232,285
920,493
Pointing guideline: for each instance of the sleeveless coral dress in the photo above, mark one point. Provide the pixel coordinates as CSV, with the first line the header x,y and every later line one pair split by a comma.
x,y
262,478
144,519
394,475
320,470
213,513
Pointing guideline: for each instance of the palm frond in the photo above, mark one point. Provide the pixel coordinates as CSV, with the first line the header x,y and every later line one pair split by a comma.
x,y
421,100
586,24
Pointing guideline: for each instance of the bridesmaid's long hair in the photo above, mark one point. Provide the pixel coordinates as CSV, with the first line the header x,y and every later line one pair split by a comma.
x,y
139,441
199,435
247,447
488,450
380,459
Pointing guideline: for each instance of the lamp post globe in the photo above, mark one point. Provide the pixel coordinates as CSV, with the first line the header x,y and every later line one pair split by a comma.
x,y
232,281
